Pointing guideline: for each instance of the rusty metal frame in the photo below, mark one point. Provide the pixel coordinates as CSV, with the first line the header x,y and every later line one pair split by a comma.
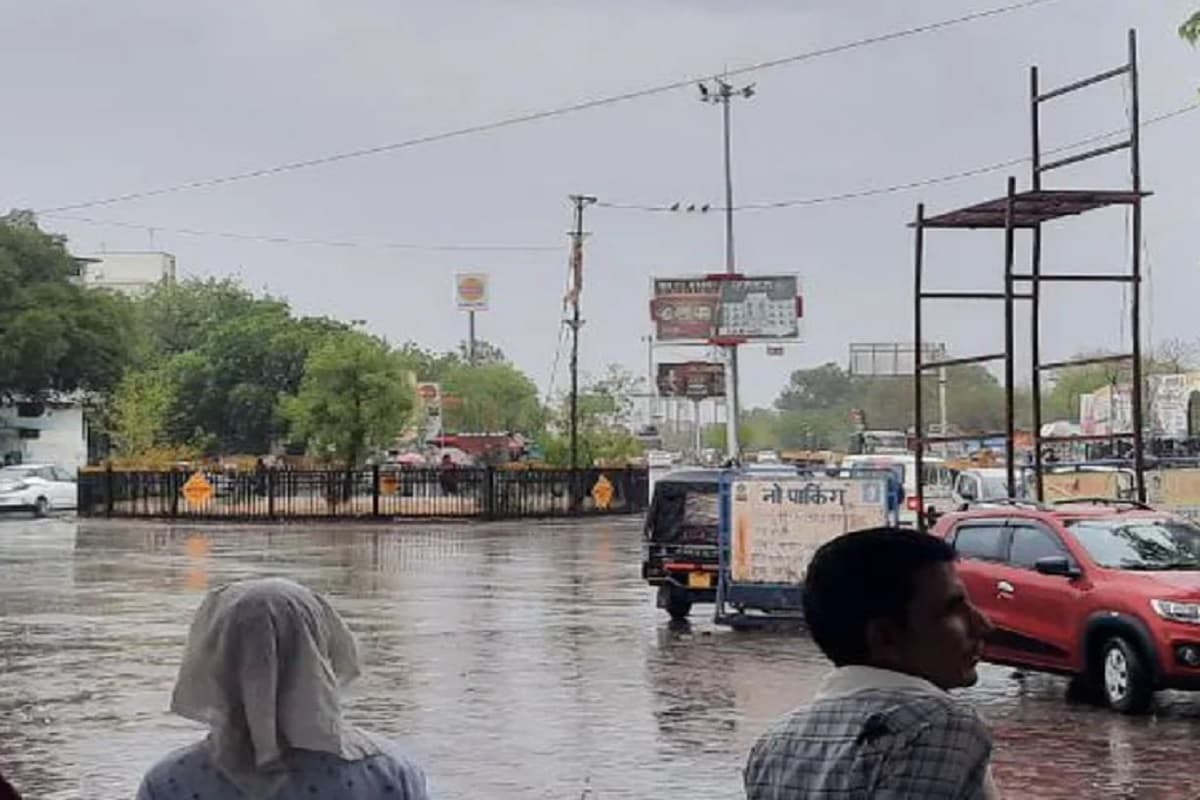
x,y
1030,210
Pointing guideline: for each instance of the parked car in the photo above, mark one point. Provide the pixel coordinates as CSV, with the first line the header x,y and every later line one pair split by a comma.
x,y
1106,592
983,485
40,488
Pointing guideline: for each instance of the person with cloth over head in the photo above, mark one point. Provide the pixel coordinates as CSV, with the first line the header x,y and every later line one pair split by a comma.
x,y
263,666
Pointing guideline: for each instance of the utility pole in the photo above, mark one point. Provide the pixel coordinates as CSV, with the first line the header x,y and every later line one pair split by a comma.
x,y
651,382
471,338
580,202
721,92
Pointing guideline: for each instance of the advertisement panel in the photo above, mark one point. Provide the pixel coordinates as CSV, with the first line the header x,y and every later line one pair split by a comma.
x,y
698,380
471,291
685,308
741,307
891,359
759,308
777,525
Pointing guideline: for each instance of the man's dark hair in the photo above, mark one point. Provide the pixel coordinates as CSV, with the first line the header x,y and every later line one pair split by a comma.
x,y
864,576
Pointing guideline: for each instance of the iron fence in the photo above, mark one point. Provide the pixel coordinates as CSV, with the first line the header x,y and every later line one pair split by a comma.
x,y
373,493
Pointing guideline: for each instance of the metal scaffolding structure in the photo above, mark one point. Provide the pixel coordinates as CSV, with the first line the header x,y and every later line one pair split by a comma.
x,y
1028,211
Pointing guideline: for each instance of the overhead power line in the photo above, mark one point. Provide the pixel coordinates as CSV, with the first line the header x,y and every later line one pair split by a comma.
x,y
272,239
535,116
889,189
675,207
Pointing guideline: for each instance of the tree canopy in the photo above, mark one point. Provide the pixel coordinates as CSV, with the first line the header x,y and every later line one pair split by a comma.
x,y
606,409
1190,30
213,363
55,334
490,396
355,398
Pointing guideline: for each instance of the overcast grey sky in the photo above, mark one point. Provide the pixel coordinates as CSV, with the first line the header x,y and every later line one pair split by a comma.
x,y
125,95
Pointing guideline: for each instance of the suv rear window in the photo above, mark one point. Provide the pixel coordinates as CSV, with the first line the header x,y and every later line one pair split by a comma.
x,y
984,542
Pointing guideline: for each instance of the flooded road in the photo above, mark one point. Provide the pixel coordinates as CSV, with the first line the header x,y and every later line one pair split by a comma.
x,y
516,660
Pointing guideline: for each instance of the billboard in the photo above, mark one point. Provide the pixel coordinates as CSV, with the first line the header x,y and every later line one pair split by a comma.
x,y
699,380
471,291
891,359
719,307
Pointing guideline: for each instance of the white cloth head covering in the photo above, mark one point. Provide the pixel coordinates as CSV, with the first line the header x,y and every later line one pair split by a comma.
x,y
264,663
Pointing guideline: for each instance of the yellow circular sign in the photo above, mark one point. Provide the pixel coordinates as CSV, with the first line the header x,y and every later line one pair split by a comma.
x,y
471,289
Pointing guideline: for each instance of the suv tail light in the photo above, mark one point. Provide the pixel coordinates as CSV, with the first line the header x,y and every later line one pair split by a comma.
x,y
913,503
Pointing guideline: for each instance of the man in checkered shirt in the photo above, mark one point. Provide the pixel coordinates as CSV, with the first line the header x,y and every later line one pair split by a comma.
x,y
886,607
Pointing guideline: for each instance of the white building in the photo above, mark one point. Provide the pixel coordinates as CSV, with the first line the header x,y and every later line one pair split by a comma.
x,y
50,432
128,272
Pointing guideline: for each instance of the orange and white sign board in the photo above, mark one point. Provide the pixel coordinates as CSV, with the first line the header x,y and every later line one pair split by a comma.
x,y
777,525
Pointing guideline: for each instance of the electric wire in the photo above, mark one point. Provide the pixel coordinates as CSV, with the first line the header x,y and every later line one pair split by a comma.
x,y
536,116
897,187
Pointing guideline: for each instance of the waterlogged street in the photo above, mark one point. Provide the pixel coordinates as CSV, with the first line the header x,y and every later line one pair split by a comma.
x,y
515,661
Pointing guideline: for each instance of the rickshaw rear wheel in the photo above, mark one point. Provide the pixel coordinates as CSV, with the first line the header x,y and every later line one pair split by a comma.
x,y
679,604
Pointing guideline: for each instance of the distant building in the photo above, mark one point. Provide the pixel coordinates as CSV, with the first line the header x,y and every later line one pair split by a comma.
x,y
131,273
1172,407
51,432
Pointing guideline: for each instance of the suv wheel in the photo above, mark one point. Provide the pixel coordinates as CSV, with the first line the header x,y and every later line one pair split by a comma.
x,y
1123,677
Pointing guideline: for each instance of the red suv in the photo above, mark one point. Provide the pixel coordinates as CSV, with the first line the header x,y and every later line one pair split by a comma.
x,y
1107,593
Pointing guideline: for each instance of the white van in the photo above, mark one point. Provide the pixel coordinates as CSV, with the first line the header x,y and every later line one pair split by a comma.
x,y
985,484
937,480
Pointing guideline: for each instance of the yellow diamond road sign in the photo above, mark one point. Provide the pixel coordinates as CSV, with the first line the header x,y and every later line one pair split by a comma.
x,y
198,491
602,492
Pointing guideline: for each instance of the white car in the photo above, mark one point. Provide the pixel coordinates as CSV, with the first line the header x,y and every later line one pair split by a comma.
x,y
40,488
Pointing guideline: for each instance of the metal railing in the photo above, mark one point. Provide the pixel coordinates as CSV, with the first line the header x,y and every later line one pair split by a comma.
x,y
372,493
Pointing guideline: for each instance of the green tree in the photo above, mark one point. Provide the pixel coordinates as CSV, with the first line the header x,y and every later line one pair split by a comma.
x,y
55,335
139,411
1190,30
230,357
491,398
177,317
759,429
355,398
824,387
485,353
605,411
1062,401
250,363
425,364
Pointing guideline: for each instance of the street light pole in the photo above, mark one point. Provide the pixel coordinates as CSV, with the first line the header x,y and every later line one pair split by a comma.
x,y
722,92
651,384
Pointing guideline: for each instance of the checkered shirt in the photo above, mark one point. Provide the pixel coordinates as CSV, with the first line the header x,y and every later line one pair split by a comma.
x,y
884,744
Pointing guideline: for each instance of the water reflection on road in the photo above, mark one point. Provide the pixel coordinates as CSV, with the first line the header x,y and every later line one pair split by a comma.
x,y
515,660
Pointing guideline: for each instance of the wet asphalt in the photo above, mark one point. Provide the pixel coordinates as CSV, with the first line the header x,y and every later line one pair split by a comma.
x,y
514,660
